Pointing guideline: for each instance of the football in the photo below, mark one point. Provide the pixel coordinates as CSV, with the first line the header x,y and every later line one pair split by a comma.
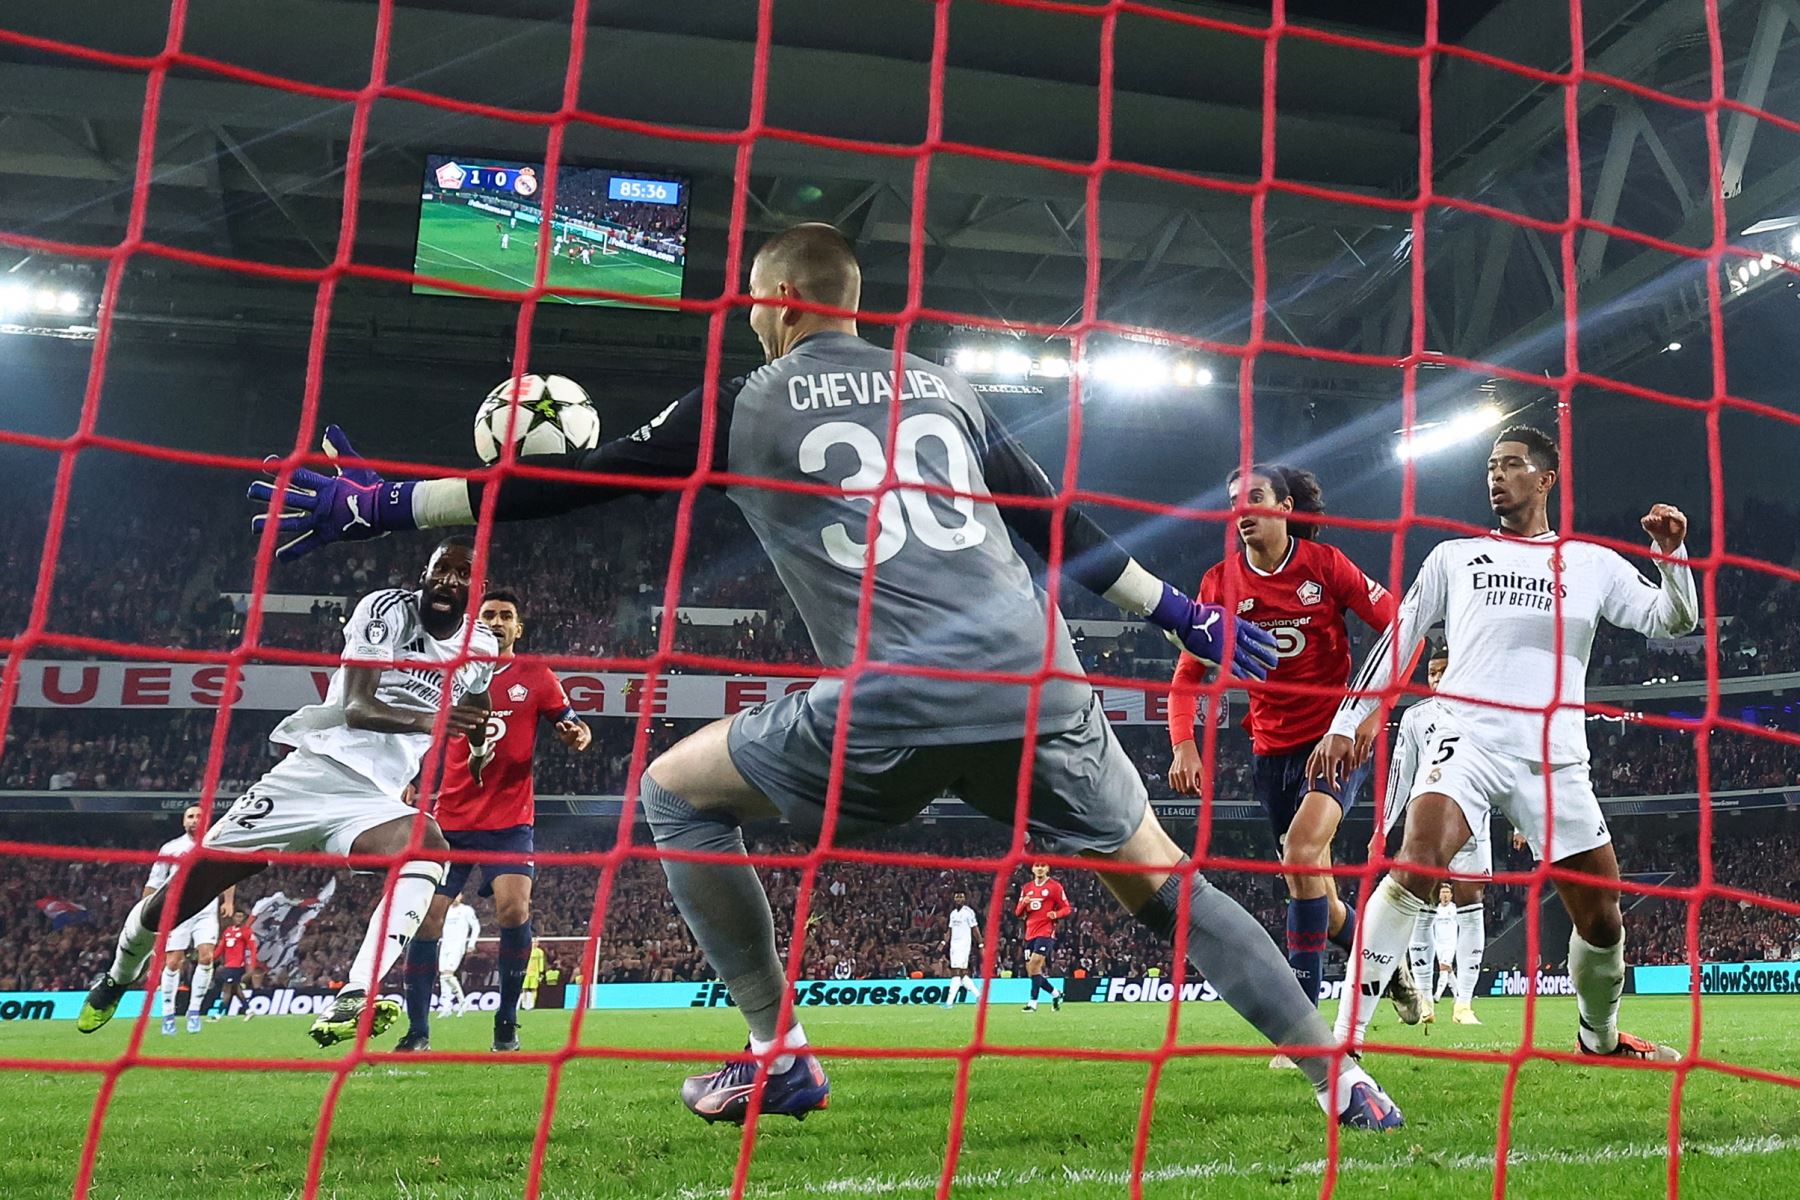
x,y
554,416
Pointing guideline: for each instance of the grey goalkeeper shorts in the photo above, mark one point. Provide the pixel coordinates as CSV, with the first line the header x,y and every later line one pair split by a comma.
x,y
1085,794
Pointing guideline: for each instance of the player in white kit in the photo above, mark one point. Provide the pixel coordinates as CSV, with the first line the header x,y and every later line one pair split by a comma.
x,y
1470,868
339,789
1443,940
462,928
200,932
963,938
1511,601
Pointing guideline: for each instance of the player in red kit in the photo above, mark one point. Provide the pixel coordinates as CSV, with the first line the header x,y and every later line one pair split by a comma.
x,y
489,805
1299,590
1042,904
236,951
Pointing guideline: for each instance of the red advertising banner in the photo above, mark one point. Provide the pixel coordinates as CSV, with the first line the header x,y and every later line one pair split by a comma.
x,y
150,685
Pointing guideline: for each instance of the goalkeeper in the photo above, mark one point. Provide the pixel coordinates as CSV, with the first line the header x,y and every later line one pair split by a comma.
x,y
948,592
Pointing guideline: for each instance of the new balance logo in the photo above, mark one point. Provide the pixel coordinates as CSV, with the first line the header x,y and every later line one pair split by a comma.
x,y
1481,560
356,517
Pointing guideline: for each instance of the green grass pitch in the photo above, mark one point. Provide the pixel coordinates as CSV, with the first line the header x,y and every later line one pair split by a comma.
x,y
1222,1127
459,243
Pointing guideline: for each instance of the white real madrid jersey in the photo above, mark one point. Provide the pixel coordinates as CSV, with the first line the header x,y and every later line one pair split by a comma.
x,y
1501,598
962,927
384,631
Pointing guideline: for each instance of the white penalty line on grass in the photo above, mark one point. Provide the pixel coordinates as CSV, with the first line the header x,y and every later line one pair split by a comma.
x,y
880,1185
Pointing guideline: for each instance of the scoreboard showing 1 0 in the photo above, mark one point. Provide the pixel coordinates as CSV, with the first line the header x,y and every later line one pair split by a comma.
x,y
646,191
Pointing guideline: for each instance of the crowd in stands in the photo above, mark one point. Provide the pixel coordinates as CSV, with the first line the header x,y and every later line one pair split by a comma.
x,y
89,750
167,582
865,920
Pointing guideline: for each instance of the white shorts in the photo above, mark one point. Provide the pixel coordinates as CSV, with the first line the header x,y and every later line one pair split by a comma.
x,y
305,802
1476,858
449,964
1481,779
959,961
1446,949
201,929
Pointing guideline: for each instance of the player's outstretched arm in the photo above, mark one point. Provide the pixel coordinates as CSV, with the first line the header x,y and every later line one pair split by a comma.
x,y
364,710
1094,560
357,504
1632,602
1349,741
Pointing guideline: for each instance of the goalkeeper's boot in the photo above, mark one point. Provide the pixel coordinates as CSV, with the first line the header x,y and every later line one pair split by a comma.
x,y
413,1042
1633,1049
168,1025
724,1095
1409,1002
506,1036
193,1022
1370,1109
102,1001
338,1023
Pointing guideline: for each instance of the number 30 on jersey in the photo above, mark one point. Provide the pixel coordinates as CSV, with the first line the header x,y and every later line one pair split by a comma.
x,y
904,509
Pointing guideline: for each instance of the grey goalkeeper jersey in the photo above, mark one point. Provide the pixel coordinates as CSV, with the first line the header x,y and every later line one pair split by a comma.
x,y
949,592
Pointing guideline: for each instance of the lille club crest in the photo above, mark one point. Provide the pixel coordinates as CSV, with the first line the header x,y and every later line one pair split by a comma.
x,y
450,176
1310,592
517,693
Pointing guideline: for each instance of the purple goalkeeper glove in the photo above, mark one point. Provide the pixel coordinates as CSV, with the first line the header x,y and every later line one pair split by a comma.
x,y
352,506
1200,630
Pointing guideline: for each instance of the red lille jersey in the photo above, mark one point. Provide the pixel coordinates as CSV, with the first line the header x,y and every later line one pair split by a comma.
x,y
1303,604
237,945
522,695
1042,905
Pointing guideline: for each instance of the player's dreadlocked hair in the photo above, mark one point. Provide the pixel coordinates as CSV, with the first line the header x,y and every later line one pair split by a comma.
x,y
1292,483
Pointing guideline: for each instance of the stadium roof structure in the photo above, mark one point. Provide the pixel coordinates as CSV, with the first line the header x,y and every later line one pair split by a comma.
x,y
256,172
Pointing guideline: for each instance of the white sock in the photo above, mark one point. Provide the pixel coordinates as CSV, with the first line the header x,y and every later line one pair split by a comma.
x,y
135,946
1349,1075
1383,932
796,1040
1445,975
203,974
1599,977
1419,952
1471,941
392,925
171,983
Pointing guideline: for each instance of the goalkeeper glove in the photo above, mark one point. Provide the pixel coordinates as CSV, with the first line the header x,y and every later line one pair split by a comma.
x,y
351,506
1200,630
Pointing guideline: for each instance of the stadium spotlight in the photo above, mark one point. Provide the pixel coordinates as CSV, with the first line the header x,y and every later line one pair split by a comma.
x,y
1794,243
984,360
1203,376
1134,370
14,297
1183,374
45,299
1441,435
1052,366
963,359
1014,363
1671,348
68,302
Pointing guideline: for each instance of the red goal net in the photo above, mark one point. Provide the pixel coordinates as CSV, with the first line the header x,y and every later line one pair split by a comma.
x,y
1716,267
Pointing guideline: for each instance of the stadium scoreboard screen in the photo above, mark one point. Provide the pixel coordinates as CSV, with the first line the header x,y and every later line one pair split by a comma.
x,y
481,220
